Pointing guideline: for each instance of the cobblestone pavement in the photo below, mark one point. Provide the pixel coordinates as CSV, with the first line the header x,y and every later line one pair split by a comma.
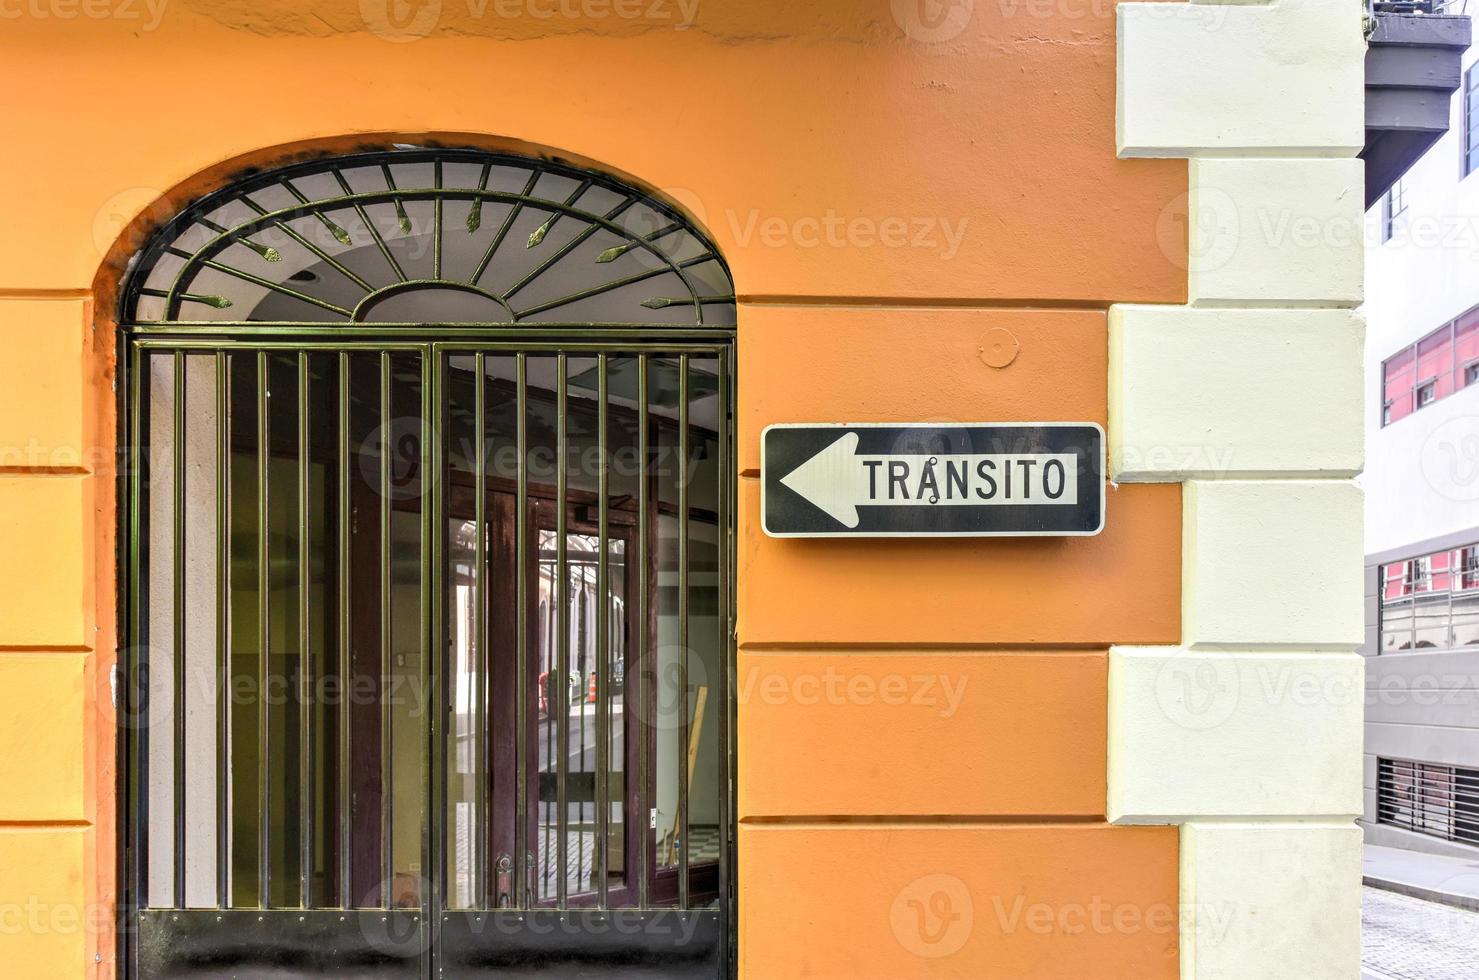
x,y
1408,939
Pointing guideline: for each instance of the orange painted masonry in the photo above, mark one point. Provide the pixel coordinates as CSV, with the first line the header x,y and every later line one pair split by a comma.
x,y
886,198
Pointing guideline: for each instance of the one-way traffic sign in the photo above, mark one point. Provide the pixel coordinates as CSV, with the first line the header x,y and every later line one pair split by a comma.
x,y
932,480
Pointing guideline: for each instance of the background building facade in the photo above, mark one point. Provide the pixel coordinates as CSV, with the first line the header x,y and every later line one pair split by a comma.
x,y
1422,496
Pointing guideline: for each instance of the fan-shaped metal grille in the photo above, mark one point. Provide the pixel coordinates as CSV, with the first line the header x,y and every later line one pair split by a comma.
x,y
431,236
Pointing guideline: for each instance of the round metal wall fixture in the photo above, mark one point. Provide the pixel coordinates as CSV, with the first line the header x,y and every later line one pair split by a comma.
x,y
422,236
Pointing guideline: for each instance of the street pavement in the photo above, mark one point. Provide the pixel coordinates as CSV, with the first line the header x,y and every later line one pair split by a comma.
x,y
1409,939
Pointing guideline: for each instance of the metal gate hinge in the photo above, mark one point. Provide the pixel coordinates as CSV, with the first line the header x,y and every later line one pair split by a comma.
x,y
113,684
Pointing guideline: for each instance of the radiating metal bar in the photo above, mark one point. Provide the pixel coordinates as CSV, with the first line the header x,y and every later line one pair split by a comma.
x,y
387,841
562,631
374,232
614,284
177,517
554,218
683,667
292,233
508,222
346,625
275,287
481,657
396,197
305,659
319,209
603,648
565,249
647,723
223,630
264,645
521,637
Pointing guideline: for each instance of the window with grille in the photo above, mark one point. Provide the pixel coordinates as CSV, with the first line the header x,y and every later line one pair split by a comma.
x,y
1440,801
429,574
1430,602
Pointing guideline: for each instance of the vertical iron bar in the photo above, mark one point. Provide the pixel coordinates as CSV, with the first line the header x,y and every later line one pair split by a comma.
x,y
683,725
481,656
436,224
562,634
521,638
433,654
387,844
178,586
346,682
305,660
722,704
223,630
138,665
646,722
603,651
264,585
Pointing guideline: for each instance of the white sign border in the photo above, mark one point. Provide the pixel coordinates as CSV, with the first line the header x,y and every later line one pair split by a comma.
x,y
1103,492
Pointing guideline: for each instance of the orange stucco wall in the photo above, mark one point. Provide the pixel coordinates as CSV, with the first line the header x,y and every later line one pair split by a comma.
x,y
887,190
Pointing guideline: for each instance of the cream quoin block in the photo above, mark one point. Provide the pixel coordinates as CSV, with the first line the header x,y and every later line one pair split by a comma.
x,y
1216,78
1236,734
1271,900
1227,393
1276,232
1273,563
41,384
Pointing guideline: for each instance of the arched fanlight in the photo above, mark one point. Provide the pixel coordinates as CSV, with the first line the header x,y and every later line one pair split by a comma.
x,y
430,236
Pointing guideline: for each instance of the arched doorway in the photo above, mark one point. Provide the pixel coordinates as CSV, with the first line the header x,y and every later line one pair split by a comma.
x,y
428,577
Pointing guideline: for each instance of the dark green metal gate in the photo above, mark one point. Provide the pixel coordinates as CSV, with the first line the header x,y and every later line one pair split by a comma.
x,y
428,596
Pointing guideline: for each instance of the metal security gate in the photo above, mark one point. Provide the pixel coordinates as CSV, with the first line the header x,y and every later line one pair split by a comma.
x,y
429,661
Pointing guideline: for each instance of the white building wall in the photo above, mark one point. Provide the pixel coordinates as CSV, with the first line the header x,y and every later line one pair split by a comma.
x,y
1425,276
1422,471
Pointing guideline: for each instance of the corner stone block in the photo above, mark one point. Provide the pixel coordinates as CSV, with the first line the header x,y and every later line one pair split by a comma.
x,y
1206,78
1270,900
1233,393
1272,563
1246,734
1276,231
